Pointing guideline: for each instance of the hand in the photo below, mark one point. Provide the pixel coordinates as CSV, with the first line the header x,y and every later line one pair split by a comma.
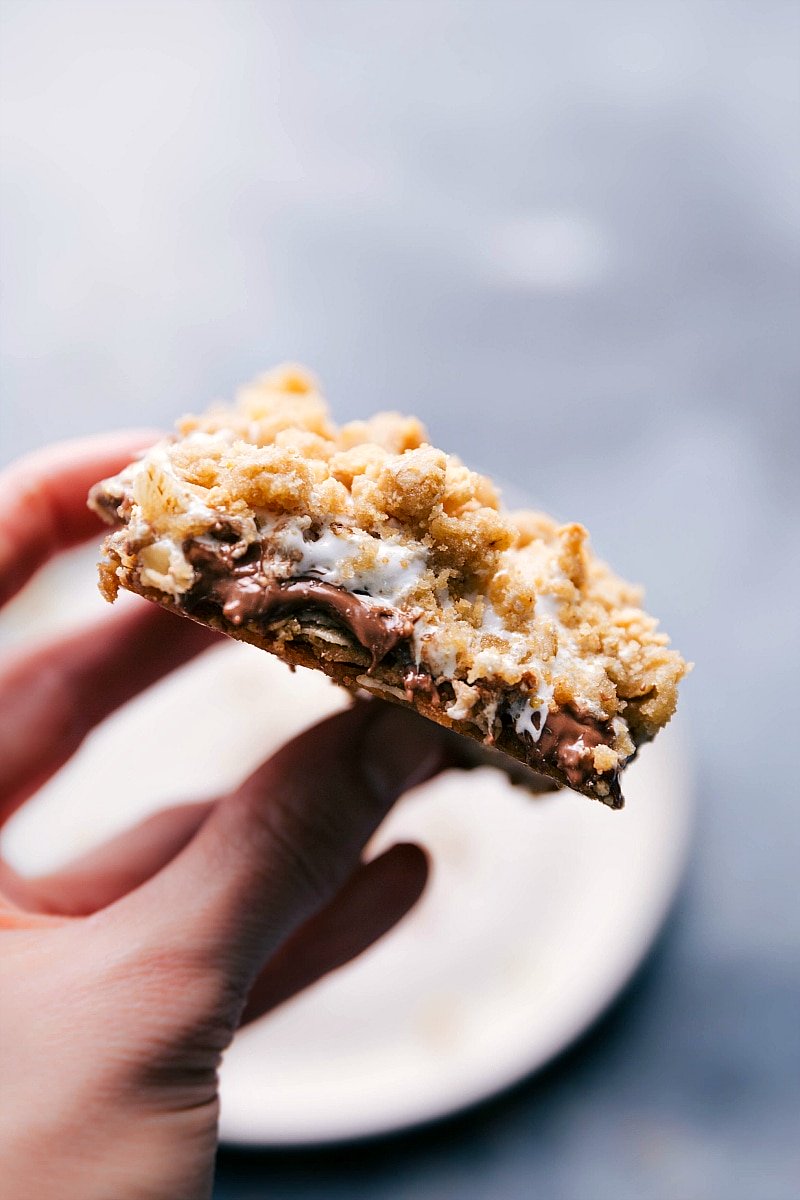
x,y
124,975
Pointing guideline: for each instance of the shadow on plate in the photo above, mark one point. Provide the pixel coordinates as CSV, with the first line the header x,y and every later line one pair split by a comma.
x,y
365,1168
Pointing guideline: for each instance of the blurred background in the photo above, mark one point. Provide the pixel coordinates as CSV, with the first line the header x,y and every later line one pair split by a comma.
x,y
566,236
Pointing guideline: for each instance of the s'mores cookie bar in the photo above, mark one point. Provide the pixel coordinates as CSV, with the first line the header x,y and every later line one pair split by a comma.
x,y
365,552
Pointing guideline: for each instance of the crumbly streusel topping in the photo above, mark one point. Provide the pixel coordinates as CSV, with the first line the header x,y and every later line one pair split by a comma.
x,y
507,605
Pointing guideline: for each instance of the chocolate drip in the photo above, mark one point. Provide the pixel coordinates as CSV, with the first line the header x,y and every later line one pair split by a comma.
x,y
235,578
558,747
416,679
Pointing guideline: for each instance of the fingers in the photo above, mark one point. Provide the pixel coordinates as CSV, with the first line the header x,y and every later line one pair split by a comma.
x,y
43,500
374,899
100,877
12,917
52,697
275,852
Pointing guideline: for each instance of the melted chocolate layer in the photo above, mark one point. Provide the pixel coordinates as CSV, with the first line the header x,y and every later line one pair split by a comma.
x,y
105,505
235,580
562,744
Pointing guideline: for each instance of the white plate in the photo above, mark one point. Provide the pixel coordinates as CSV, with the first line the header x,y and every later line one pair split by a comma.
x,y
537,913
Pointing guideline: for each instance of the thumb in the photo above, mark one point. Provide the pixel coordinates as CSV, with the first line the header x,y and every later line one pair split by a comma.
x,y
281,846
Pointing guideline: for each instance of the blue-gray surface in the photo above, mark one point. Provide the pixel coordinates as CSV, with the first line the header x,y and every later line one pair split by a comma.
x,y
567,235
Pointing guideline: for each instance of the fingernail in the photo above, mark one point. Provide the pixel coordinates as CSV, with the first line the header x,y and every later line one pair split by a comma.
x,y
400,750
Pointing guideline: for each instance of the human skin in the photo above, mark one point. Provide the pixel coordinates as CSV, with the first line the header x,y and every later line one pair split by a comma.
x,y
124,975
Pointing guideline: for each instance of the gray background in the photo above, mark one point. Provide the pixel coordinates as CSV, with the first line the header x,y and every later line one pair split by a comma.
x,y
567,236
